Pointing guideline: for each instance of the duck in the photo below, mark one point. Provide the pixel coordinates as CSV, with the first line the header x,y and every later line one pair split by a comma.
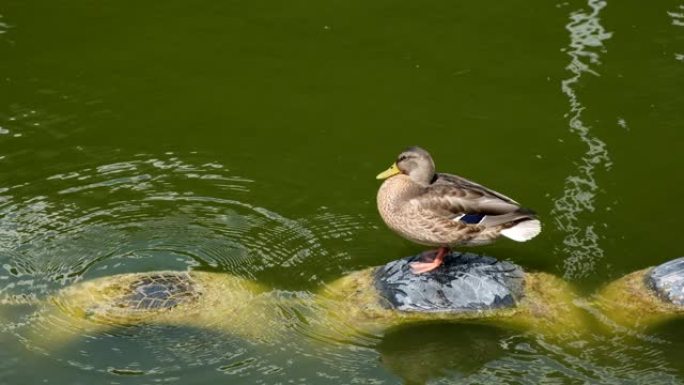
x,y
445,210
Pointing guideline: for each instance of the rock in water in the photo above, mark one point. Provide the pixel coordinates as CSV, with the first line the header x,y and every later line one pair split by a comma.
x,y
668,281
464,282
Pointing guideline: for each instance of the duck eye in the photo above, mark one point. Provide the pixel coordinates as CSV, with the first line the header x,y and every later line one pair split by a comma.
x,y
403,157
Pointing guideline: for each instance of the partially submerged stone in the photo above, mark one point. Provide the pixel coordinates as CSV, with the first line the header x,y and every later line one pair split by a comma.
x,y
466,288
646,297
197,299
668,281
464,282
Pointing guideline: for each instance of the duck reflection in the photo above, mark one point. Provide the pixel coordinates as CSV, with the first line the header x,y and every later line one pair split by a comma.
x,y
669,342
423,352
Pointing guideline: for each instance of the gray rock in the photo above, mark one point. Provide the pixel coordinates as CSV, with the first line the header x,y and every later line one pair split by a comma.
x,y
668,281
464,282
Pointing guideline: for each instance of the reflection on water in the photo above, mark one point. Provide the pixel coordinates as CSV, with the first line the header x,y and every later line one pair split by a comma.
x,y
581,243
447,354
154,213
678,20
422,353
677,16
186,212
3,26
181,214
29,126
74,208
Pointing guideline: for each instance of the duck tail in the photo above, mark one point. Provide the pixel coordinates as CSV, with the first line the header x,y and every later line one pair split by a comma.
x,y
524,230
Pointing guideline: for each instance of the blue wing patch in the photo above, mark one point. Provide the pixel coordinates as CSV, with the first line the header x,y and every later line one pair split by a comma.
x,y
472,219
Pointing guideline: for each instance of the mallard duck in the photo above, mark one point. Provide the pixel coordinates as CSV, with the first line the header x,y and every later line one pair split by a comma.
x,y
445,210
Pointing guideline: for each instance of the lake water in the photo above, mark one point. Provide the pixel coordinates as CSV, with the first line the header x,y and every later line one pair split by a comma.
x,y
244,137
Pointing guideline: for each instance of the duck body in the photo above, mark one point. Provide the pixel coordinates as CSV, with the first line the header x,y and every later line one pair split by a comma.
x,y
445,210
443,214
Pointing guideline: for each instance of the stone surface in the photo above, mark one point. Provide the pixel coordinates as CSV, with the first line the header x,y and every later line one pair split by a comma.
x,y
464,282
668,281
158,291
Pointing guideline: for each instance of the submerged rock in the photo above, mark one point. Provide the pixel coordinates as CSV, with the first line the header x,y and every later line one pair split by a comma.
x,y
668,281
464,282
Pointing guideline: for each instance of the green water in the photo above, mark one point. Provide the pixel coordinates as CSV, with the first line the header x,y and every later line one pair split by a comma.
x,y
244,137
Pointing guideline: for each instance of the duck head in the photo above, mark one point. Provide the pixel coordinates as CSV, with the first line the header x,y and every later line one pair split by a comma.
x,y
414,162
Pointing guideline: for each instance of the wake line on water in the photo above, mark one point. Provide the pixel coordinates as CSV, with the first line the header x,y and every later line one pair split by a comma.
x,y
581,242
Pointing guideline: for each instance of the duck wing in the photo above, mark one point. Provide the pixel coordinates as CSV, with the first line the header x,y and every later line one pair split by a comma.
x,y
461,200
460,182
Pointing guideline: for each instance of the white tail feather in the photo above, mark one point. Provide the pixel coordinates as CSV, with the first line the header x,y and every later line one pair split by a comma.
x,y
523,231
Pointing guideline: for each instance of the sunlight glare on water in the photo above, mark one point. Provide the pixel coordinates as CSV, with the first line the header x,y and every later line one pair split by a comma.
x,y
678,20
581,246
240,140
140,215
144,207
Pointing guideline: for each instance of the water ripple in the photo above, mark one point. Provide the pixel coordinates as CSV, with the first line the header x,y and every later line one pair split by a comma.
x,y
581,243
168,211
599,360
117,213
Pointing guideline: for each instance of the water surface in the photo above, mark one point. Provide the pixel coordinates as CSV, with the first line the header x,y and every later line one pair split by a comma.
x,y
244,137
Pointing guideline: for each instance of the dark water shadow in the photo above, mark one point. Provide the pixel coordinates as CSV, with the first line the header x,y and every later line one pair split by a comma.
x,y
157,353
420,353
671,338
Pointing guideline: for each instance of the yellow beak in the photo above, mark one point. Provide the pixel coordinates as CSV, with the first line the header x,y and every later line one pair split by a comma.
x,y
394,170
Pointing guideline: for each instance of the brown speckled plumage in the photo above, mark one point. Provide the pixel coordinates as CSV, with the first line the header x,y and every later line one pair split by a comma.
x,y
424,206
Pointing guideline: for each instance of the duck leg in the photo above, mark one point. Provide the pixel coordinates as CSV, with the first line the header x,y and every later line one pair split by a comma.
x,y
423,267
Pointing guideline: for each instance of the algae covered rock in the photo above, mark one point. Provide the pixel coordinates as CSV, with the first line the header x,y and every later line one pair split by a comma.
x,y
465,282
668,281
